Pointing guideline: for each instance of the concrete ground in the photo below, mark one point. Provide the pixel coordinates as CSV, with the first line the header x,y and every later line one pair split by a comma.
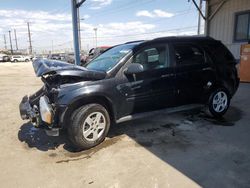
x,y
184,149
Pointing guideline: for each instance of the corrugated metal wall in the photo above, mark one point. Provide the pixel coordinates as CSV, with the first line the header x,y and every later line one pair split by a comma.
x,y
221,27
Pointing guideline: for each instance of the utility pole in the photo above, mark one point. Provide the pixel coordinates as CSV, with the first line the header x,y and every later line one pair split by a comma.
x,y
95,29
16,39
11,49
5,43
75,5
30,44
52,46
199,18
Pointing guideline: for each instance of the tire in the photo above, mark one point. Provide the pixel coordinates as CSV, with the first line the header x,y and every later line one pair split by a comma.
x,y
84,130
219,102
15,60
26,60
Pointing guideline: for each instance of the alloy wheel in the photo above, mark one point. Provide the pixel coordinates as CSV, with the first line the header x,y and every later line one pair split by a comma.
x,y
220,101
94,126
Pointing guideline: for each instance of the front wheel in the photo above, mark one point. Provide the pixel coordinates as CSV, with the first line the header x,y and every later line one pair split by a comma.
x,y
219,102
89,126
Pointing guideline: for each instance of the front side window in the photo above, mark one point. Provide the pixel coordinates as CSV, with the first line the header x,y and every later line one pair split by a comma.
x,y
187,54
153,58
110,58
242,30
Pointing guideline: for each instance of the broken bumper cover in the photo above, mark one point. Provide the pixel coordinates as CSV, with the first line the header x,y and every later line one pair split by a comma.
x,y
34,115
26,111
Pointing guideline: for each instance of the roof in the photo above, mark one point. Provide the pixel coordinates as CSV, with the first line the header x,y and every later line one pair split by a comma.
x,y
195,38
184,38
174,38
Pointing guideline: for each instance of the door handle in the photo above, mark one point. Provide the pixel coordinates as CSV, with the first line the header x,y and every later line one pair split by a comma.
x,y
167,75
207,68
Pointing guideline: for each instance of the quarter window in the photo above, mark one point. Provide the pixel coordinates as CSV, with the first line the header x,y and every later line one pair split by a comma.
x,y
186,54
242,30
153,58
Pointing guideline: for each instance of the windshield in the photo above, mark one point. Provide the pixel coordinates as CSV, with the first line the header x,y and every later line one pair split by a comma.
x,y
110,58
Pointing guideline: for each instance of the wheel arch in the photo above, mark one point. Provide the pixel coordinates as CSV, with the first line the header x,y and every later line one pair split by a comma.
x,y
102,100
224,85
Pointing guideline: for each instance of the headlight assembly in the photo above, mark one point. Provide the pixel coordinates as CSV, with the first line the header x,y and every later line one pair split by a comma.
x,y
45,110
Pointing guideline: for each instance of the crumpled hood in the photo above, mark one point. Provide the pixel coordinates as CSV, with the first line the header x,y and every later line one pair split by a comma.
x,y
44,67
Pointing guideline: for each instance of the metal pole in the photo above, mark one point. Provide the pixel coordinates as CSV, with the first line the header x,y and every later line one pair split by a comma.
x,y
30,48
16,39
5,43
75,31
79,29
207,20
95,29
195,4
199,18
52,46
11,49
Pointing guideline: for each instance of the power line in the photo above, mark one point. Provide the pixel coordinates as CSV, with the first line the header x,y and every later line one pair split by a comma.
x,y
61,10
129,35
154,32
125,6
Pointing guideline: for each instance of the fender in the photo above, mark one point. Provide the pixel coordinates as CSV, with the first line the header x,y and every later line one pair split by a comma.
x,y
102,100
80,97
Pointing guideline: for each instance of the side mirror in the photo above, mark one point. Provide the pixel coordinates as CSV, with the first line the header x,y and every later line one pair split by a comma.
x,y
134,68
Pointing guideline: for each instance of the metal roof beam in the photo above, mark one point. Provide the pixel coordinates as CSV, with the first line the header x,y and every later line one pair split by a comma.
x,y
195,4
80,3
216,10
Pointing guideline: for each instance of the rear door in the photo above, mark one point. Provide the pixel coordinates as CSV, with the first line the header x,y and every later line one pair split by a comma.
x,y
194,73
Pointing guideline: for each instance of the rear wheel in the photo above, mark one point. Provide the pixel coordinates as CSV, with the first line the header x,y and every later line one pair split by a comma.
x,y
89,126
219,102
15,60
26,60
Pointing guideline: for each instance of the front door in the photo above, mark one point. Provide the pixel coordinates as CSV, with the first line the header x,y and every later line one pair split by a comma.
x,y
153,88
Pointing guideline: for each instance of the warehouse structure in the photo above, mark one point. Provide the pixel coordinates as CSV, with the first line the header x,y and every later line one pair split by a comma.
x,y
229,21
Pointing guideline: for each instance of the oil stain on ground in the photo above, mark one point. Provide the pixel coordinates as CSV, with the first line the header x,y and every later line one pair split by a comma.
x,y
87,154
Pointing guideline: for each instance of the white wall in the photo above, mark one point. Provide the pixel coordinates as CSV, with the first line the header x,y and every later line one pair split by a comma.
x,y
221,27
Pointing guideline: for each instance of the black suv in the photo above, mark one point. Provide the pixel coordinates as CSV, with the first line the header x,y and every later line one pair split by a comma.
x,y
130,80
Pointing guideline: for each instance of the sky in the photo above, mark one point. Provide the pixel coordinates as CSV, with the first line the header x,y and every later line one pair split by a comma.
x,y
117,21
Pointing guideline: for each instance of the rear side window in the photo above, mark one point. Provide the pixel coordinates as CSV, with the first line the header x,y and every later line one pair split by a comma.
x,y
188,54
220,53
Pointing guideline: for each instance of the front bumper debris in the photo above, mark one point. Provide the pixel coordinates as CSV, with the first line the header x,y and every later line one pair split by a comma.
x,y
26,111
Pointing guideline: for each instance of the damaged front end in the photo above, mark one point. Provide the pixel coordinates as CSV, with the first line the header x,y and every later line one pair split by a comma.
x,y
42,108
38,109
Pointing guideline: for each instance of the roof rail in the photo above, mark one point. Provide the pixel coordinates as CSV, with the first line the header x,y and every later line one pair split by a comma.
x,y
134,41
184,37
